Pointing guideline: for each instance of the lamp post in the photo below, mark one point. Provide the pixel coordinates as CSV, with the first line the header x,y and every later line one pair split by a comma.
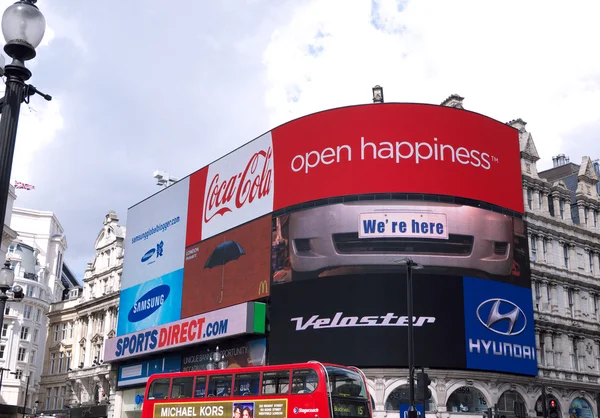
x,y
23,27
410,265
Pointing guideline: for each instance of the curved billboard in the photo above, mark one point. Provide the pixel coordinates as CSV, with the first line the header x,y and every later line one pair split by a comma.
x,y
342,192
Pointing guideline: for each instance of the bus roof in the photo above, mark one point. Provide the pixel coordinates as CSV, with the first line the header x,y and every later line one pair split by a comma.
x,y
309,364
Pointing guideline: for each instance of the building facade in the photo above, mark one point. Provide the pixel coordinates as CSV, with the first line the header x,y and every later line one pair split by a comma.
x,y
75,376
8,234
36,256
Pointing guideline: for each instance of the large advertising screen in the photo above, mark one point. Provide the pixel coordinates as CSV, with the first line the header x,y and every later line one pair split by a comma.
x,y
459,322
342,192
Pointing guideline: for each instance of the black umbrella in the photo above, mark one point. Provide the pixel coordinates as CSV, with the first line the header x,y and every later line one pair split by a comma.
x,y
223,254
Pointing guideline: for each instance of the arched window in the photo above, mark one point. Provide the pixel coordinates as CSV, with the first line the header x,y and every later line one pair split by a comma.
x,y
580,408
506,403
539,408
399,396
466,399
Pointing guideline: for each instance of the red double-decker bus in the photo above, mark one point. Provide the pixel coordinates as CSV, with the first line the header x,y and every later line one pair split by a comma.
x,y
302,390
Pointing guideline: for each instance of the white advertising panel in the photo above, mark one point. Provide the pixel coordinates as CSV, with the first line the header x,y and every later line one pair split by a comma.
x,y
155,242
226,322
403,225
239,187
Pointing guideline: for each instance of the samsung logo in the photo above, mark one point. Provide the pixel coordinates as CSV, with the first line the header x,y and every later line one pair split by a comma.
x,y
149,303
148,255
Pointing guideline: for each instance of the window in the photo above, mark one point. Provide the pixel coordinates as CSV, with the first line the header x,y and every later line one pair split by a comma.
x,y
591,261
7,310
561,206
220,386
182,387
18,374
570,302
71,329
48,398
32,357
530,198
35,335
586,215
246,384
542,354
574,359
200,387
68,365
304,381
64,331
29,291
55,398
540,199
61,360
544,248
38,315
56,333
58,264
534,247
27,311
24,333
159,388
4,330
595,220
276,383
566,255
52,362
63,395
2,348
101,325
22,354
538,290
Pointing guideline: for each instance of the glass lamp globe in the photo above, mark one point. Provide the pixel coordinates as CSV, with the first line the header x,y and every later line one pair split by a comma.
x,y
7,277
23,27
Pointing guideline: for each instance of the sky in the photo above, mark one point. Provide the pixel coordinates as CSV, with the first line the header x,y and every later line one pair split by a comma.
x,y
139,86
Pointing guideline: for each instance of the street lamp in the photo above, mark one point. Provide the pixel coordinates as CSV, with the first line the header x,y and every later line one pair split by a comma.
x,y
23,27
410,266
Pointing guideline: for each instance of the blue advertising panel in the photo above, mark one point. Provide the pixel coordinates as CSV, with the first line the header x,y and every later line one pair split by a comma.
x,y
404,410
139,372
499,327
152,303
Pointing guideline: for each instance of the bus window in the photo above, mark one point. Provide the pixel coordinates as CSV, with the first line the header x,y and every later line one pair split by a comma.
x,y
275,383
346,383
220,386
304,381
200,391
182,387
246,384
159,389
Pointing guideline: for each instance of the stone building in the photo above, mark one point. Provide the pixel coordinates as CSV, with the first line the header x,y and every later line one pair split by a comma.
x,y
78,328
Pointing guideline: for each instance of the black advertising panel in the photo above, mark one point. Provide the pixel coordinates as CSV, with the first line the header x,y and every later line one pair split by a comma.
x,y
361,320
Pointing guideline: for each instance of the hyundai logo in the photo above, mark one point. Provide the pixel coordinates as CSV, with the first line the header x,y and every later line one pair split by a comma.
x,y
503,317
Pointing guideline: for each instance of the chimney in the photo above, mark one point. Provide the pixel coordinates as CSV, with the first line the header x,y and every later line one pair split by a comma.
x,y
559,160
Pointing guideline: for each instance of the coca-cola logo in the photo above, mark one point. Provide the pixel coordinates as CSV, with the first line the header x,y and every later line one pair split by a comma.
x,y
254,182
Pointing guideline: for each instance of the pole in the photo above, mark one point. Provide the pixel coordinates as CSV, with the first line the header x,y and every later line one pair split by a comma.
x,y
26,393
544,402
412,413
3,299
13,97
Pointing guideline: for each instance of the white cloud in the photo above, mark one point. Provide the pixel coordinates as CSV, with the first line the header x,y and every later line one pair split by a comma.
x,y
509,59
38,125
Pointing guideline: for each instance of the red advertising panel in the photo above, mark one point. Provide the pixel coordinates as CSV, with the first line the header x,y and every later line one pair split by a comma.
x,y
397,148
227,269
